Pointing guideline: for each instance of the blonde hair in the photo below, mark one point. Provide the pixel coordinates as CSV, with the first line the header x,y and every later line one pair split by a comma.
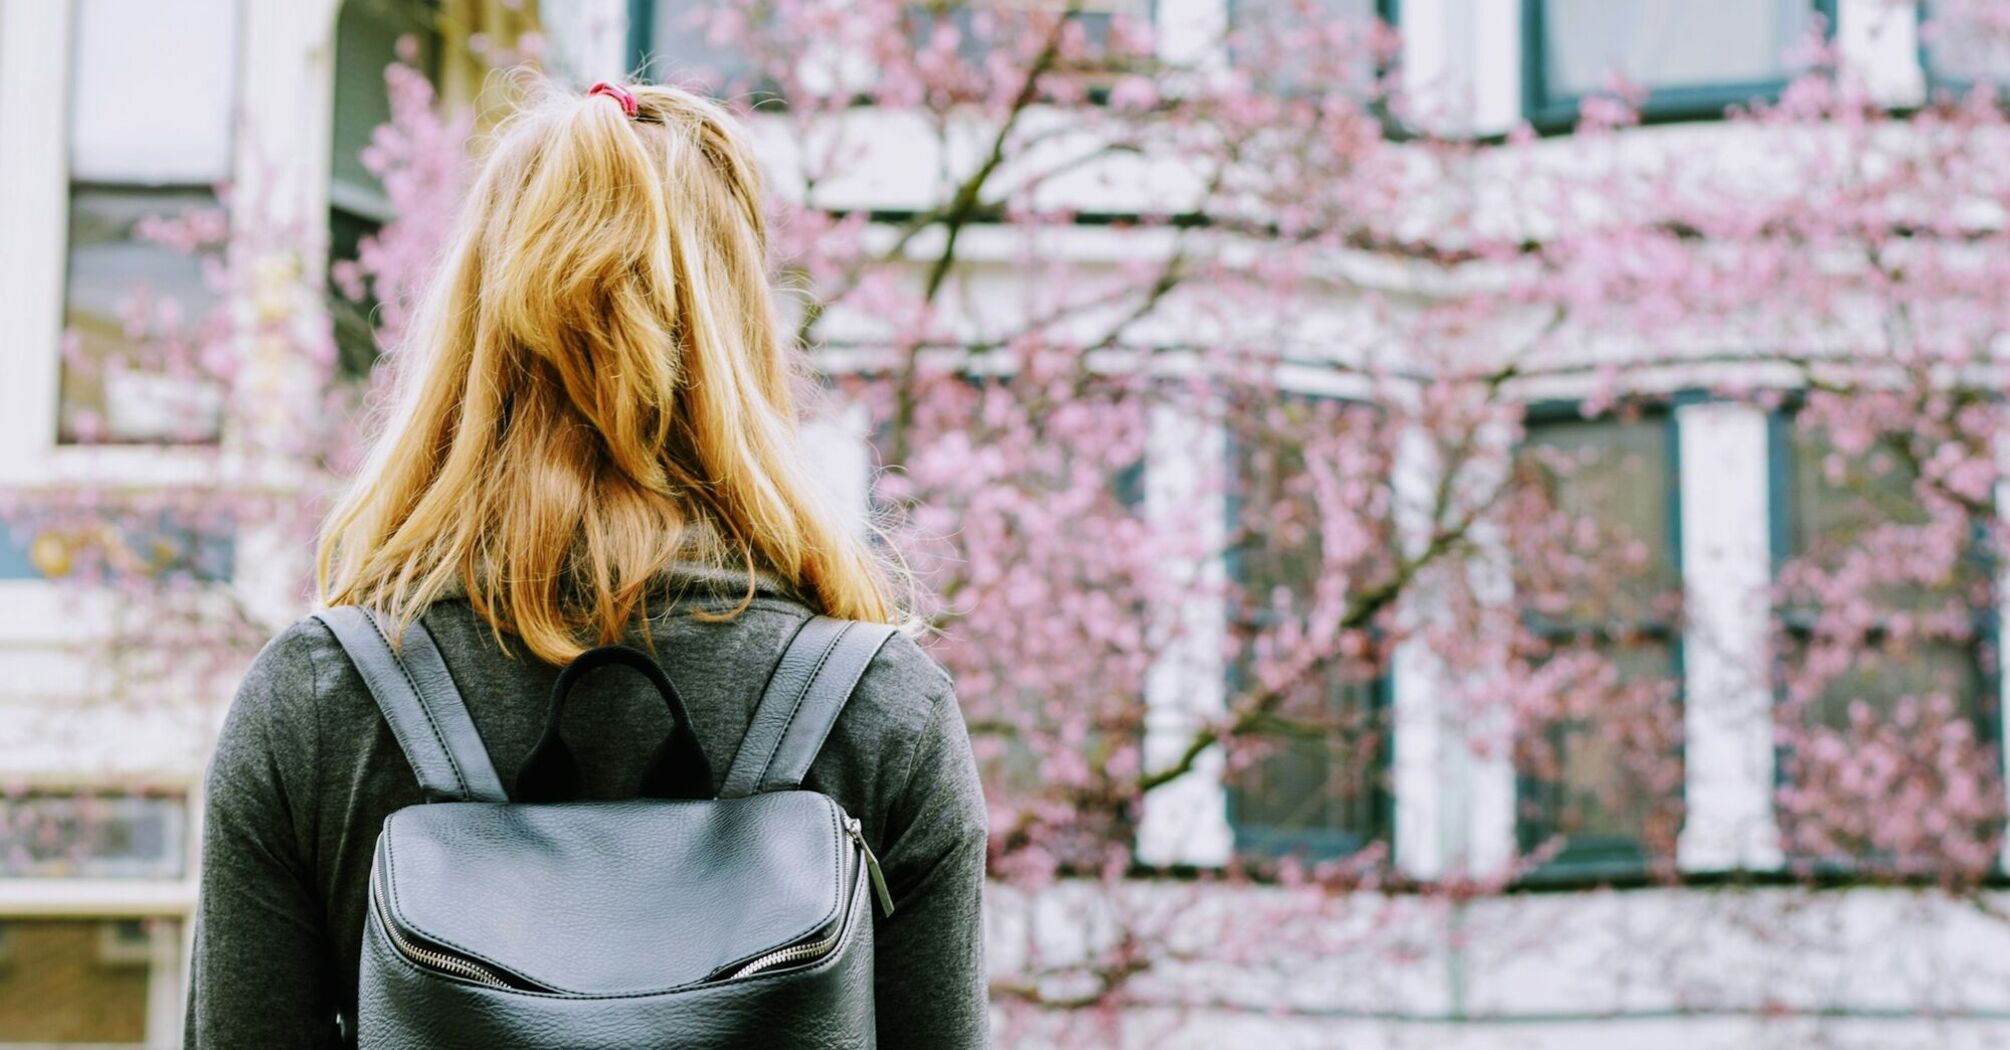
x,y
594,383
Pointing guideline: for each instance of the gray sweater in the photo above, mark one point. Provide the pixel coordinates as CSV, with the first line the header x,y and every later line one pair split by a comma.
x,y
306,771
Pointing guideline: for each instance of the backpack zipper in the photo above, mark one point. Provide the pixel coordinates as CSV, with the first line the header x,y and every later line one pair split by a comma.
x,y
451,964
819,948
857,833
792,954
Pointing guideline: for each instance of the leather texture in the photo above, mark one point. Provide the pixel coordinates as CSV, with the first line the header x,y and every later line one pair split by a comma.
x,y
804,695
826,1005
616,898
618,924
418,698
677,769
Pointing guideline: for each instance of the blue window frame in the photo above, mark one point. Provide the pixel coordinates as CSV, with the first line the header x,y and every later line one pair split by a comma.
x,y
1573,781
1322,790
1694,57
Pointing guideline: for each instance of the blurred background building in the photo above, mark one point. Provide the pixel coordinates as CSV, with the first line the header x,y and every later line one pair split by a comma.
x,y
112,110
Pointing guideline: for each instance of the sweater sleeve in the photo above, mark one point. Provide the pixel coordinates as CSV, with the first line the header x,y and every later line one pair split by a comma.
x,y
259,972
929,983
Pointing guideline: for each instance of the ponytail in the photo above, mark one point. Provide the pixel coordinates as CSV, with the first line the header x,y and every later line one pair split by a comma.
x,y
595,385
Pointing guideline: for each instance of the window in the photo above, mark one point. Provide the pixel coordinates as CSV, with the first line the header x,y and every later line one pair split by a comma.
x,y
671,44
671,41
1252,45
1693,57
1094,16
1963,43
367,36
74,980
89,981
1052,737
132,305
1318,786
89,835
1922,643
1599,771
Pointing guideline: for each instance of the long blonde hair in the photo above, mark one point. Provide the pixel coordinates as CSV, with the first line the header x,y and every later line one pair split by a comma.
x,y
594,381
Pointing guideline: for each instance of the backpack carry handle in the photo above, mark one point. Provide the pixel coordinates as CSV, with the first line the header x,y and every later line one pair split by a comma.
x,y
677,769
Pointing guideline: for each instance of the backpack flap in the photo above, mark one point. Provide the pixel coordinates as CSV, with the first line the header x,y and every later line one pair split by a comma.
x,y
615,898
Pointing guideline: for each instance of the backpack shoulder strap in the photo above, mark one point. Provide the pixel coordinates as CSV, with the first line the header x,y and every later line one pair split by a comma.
x,y
424,709
808,688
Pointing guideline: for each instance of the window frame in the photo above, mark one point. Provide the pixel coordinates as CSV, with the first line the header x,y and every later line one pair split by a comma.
x,y
1589,858
1556,112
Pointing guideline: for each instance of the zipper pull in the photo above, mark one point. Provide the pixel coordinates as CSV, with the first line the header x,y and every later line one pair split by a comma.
x,y
857,832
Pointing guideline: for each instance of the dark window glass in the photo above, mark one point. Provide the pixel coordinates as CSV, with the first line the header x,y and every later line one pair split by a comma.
x,y
1319,785
368,34
1602,770
1832,503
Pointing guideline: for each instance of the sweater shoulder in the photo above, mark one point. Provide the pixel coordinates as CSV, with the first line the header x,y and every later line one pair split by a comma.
x,y
901,690
284,680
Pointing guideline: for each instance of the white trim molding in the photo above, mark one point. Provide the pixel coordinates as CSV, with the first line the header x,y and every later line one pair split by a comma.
x,y
1727,695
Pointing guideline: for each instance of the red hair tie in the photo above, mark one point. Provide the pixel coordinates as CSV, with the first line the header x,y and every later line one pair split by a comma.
x,y
617,93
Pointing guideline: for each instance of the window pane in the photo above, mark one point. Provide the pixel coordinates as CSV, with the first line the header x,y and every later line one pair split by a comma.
x,y
1619,474
1319,785
1319,789
1962,45
1668,43
1835,501
131,373
1602,767
1615,770
679,48
92,836
83,981
1874,688
154,91
1258,26
366,42
1879,680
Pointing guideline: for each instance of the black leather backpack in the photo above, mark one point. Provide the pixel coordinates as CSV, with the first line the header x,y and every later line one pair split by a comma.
x,y
678,919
